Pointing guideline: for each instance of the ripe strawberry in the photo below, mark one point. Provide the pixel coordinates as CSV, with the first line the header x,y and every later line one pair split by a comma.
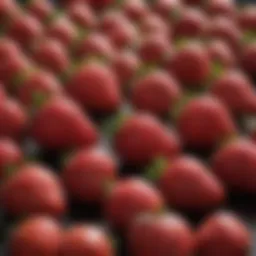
x,y
38,235
192,23
82,15
95,44
51,55
236,91
247,18
125,64
248,59
87,173
156,93
191,64
204,122
221,53
223,234
154,48
129,198
2,93
13,119
187,184
135,10
33,189
39,85
8,48
234,164
10,155
100,4
8,10
63,30
95,86
225,29
220,8
151,139
41,9
25,29
61,124
166,234
86,239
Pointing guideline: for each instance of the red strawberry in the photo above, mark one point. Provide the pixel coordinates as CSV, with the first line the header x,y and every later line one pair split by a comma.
x,y
135,10
187,184
8,48
154,48
165,235
192,23
95,44
41,9
221,53
82,15
51,55
226,30
88,240
60,124
100,4
156,93
38,85
168,9
204,122
191,64
151,139
2,93
8,10
62,29
125,64
223,234
221,7
87,173
247,18
236,91
129,198
234,164
193,2
95,86
248,59
39,236
33,189
13,119
25,29
10,155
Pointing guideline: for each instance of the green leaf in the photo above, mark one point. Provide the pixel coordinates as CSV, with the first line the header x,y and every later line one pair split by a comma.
x,y
249,36
217,70
154,171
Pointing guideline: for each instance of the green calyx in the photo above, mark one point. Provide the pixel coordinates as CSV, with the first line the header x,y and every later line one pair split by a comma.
x,y
156,169
249,37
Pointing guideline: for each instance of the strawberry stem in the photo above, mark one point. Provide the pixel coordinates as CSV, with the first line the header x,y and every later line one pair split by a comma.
x,y
155,170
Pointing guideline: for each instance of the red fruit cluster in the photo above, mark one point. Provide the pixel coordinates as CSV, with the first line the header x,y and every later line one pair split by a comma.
x,y
137,113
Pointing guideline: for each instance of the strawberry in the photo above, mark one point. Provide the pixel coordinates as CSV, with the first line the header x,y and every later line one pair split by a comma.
x,y
33,189
204,122
220,8
13,119
41,9
61,124
87,173
156,93
100,4
223,234
192,23
95,86
51,55
248,60
221,53
10,155
8,48
191,64
82,15
187,184
38,235
236,91
154,48
86,239
165,234
95,44
25,29
128,198
2,93
8,10
63,30
125,64
151,139
38,85
135,10
247,18
234,164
